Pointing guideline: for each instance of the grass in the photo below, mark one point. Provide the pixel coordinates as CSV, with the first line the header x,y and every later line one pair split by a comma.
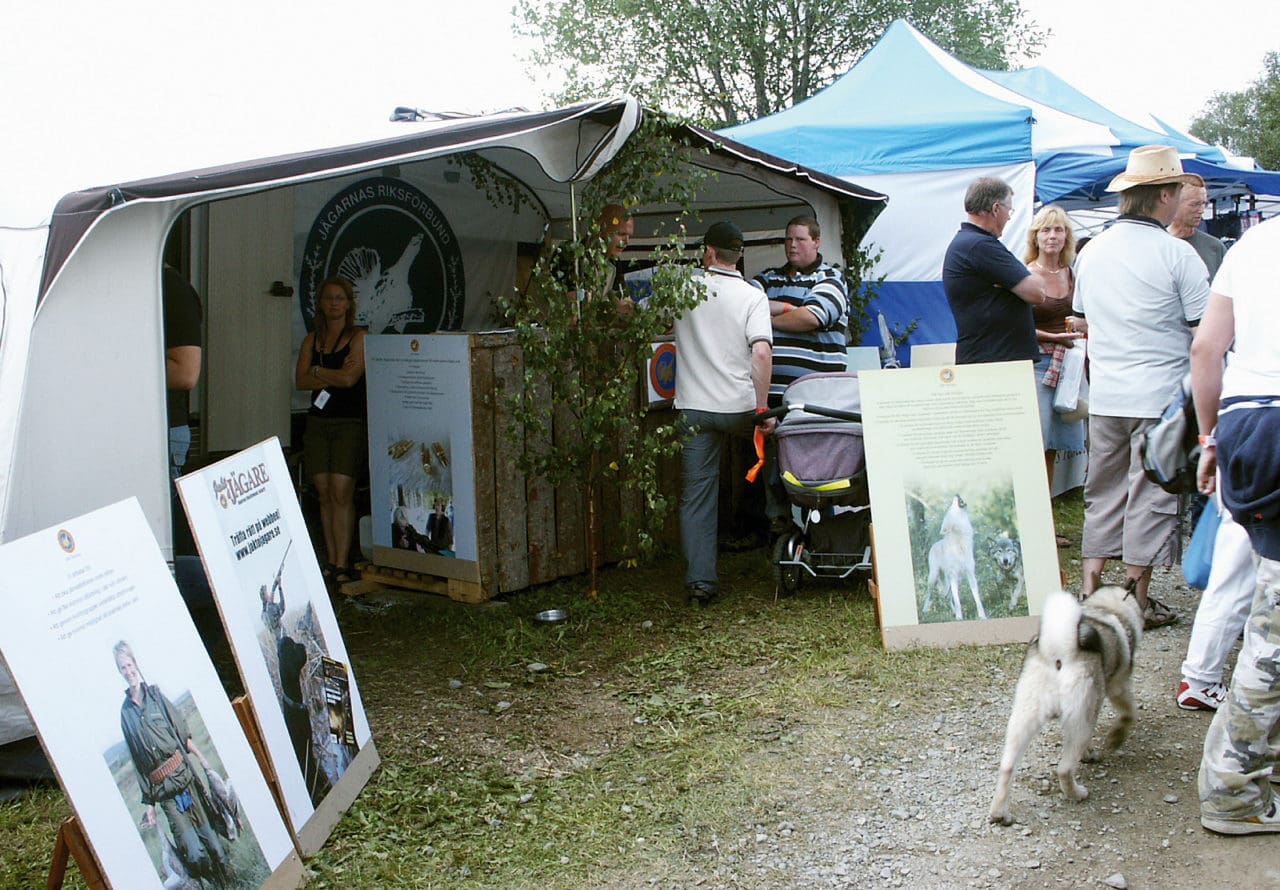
x,y
656,737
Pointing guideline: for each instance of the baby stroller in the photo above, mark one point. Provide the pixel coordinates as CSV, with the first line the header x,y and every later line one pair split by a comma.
x,y
822,463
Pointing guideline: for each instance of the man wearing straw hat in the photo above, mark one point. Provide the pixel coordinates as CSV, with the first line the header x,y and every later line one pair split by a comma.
x,y
1142,291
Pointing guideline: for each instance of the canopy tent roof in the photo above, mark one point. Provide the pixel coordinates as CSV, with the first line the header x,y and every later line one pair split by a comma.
x,y
908,106
1080,179
543,150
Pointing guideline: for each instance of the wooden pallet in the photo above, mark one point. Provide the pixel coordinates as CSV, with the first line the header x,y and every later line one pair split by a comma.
x,y
374,577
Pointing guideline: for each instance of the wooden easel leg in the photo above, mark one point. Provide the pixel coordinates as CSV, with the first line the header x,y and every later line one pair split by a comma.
x,y
72,843
244,711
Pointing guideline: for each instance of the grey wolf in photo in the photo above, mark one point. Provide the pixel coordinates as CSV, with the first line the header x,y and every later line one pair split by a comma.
x,y
1006,553
951,557
1083,652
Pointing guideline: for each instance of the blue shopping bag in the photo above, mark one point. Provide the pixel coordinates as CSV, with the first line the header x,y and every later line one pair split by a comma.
x,y
1198,558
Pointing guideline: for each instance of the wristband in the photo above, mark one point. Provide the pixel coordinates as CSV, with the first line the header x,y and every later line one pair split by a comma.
x,y
786,307
1208,441
761,410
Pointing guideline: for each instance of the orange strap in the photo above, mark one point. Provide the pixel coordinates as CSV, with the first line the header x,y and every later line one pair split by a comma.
x,y
758,438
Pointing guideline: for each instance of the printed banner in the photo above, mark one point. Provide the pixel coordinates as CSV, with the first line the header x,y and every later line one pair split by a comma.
x,y
421,467
249,527
131,712
963,526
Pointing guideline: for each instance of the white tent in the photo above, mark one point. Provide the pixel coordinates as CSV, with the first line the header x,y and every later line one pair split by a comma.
x,y
82,390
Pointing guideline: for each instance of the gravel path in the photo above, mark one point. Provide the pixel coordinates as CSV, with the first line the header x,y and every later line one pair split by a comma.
x,y
907,807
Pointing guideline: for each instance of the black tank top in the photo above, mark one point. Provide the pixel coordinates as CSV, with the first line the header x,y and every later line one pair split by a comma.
x,y
343,401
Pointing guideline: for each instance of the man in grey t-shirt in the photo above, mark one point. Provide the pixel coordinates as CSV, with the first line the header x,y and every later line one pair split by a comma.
x,y
1186,225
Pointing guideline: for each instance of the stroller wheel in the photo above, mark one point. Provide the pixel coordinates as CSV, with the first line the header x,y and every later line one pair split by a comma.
x,y
787,577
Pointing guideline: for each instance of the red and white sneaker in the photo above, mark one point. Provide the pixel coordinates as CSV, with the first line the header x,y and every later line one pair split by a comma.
x,y
1201,698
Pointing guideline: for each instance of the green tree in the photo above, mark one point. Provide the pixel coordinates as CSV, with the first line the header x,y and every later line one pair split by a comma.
x,y
727,61
1247,122
584,356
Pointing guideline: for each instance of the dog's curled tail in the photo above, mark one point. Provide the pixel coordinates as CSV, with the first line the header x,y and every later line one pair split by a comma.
x,y
1060,626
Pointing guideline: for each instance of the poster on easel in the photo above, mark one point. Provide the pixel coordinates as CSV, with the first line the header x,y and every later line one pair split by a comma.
x,y
965,549
421,465
131,713
249,529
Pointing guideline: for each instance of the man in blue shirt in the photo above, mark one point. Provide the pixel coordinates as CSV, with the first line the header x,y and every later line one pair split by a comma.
x,y
990,292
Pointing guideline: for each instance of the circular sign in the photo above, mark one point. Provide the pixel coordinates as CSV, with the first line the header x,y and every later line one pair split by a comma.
x,y
662,370
393,243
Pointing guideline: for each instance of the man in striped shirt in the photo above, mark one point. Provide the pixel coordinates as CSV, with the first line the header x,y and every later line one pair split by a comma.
x,y
809,309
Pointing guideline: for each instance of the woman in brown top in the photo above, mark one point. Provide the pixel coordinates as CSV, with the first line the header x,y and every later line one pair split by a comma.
x,y
1050,251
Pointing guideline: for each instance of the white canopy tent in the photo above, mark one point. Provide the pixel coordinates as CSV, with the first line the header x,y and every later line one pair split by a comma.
x,y
82,388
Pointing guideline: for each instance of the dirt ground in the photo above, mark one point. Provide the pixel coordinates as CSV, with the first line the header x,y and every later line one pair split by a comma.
x,y
903,803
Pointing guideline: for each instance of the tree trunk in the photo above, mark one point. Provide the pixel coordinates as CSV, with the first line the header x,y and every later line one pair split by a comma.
x,y
593,536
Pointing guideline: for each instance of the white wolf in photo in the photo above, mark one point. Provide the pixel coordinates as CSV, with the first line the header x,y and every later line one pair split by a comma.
x,y
951,557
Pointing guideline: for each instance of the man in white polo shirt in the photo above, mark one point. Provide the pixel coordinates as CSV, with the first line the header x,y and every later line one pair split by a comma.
x,y
725,354
1142,291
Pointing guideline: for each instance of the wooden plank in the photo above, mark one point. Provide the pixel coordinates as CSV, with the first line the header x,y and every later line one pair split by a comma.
x,y
466,592
511,507
669,482
540,499
426,563
483,434
316,831
243,707
406,580
71,843
571,552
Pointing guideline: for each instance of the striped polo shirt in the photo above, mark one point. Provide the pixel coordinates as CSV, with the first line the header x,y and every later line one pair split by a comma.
x,y
821,289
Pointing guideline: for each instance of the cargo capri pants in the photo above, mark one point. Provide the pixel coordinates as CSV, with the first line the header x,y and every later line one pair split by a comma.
x,y
1241,748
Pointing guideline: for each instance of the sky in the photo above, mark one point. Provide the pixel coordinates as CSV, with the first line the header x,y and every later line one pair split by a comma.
x,y
341,57
1165,59
80,78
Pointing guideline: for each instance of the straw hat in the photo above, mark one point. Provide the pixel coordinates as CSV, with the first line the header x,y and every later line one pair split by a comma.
x,y
1153,165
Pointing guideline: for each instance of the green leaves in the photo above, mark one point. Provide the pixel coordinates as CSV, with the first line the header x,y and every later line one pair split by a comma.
x,y
585,345
723,62
1247,122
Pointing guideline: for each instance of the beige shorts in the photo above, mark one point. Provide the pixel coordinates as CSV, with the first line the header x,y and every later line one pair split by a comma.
x,y
1126,516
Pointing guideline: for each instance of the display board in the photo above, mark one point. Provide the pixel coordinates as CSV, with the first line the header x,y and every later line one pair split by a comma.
x,y
267,584
131,713
421,468
965,549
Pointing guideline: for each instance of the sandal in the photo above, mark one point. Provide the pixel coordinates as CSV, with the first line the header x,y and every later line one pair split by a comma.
x,y
1063,541
1157,614
343,576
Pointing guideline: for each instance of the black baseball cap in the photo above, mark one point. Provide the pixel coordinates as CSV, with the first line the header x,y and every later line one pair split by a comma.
x,y
724,235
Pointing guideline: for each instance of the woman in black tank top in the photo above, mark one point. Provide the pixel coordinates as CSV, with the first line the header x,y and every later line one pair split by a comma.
x,y
331,367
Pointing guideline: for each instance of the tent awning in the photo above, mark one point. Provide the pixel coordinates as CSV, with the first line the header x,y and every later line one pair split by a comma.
x,y
593,132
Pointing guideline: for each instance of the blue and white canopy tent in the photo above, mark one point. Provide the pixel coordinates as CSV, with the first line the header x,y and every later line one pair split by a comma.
x,y
915,123
1078,181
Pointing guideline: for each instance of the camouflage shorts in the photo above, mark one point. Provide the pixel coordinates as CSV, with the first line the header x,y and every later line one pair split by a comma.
x,y
1236,767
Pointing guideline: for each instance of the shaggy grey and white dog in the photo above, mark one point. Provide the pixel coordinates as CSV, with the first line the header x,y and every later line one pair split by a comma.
x,y
1083,652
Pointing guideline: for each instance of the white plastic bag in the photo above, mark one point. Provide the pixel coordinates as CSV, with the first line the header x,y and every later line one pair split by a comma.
x,y
1066,396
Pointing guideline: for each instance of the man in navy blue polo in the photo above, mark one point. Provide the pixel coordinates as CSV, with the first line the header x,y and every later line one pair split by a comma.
x,y
990,292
